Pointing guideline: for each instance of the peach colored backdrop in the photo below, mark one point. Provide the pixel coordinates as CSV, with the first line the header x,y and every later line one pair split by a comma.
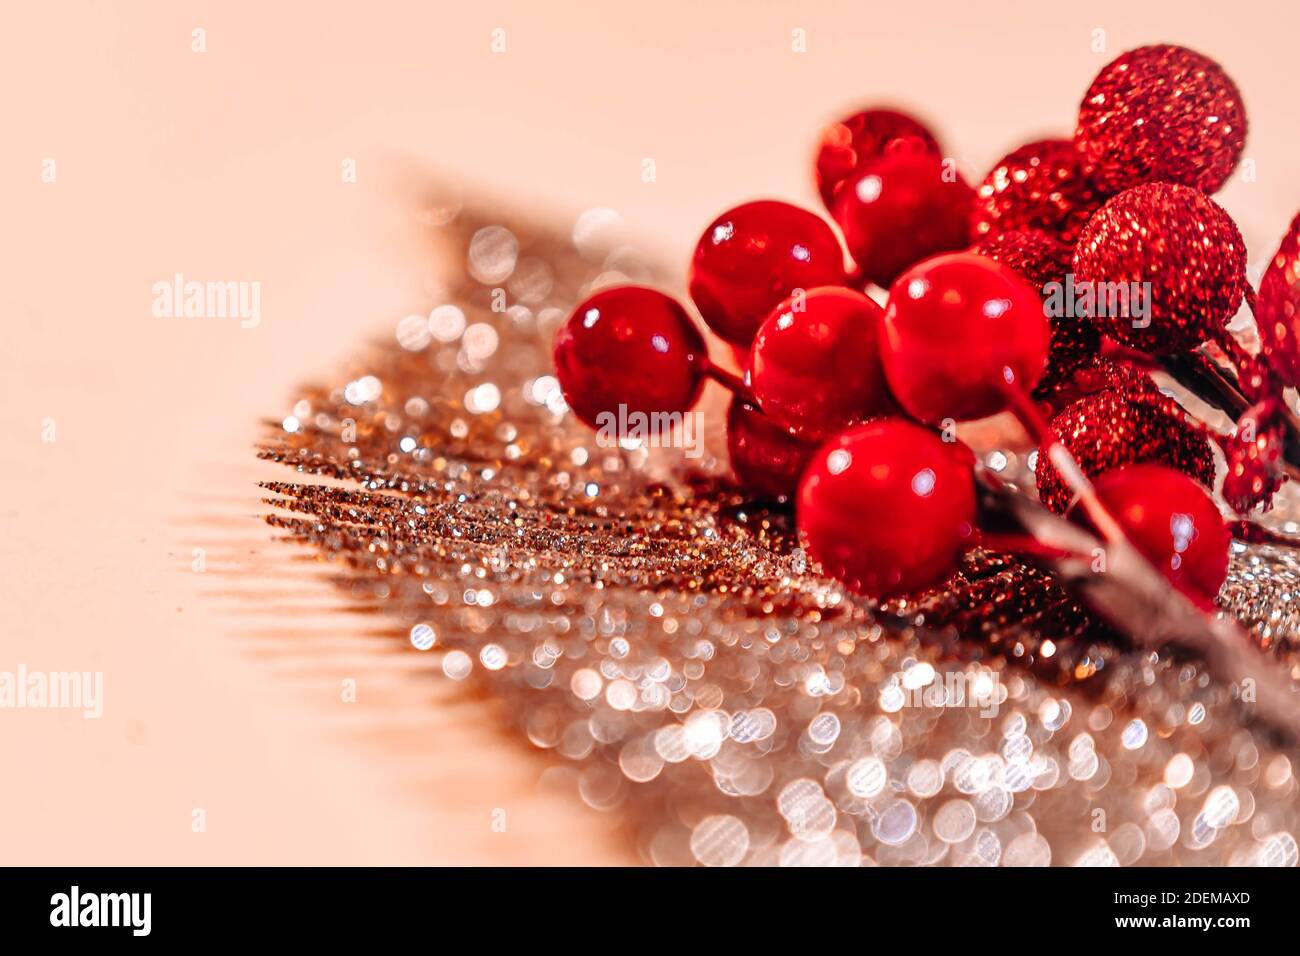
x,y
221,689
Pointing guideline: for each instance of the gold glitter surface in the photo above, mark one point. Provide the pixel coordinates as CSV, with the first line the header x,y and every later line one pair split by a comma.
x,y
670,644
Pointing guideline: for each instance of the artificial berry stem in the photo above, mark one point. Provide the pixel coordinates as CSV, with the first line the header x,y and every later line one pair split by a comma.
x,y
730,381
1022,544
1254,533
1205,379
1118,352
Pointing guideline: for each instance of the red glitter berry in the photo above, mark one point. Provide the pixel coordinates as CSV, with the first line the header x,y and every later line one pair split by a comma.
x,y
1129,421
1255,457
767,460
1277,312
959,330
815,366
1041,185
1173,522
1042,261
853,142
902,207
887,507
1161,114
1184,246
753,256
1038,257
629,346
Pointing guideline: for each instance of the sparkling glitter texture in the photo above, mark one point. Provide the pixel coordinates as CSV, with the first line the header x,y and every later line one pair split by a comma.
x,y
1161,114
1040,185
1253,455
1042,260
671,648
1181,246
1277,311
1127,422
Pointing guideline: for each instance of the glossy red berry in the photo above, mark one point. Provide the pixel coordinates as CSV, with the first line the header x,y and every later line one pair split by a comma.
x,y
887,507
753,256
902,207
629,346
851,143
960,330
1173,522
767,460
815,364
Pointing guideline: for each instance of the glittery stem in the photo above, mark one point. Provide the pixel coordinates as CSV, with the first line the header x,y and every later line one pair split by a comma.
x,y
1116,351
1210,383
1245,530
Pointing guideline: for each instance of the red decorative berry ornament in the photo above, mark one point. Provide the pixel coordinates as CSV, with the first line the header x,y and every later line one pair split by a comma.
x,y
1173,522
850,144
1129,421
1041,185
1161,114
1277,311
766,459
1079,245
815,365
629,346
1180,242
960,331
901,208
887,507
1254,454
1037,257
753,256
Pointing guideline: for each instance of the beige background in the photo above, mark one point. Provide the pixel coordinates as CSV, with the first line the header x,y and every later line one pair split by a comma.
x,y
222,688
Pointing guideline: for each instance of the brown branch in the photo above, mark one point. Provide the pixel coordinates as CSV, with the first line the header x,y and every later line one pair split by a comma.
x,y
1134,597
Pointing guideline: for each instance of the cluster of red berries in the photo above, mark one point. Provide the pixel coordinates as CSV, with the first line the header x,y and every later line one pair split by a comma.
x,y
847,407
